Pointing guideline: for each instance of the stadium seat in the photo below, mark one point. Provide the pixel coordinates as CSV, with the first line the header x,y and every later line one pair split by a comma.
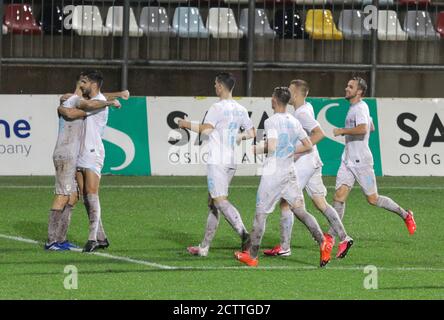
x,y
188,23
52,19
222,24
419,26
236,1
261,25
319,24
389,27
312,2
87,21
351,24
114,22
440,23
154,21
288,24
355,3
4,29
419,2
20,20
382,3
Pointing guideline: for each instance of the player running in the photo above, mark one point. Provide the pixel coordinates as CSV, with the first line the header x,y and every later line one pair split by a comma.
x,y
309,172
357,159
222,123
280,179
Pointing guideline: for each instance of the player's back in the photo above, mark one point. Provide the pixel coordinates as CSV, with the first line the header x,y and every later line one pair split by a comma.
x,y
226,116
287,130
70,134
305,115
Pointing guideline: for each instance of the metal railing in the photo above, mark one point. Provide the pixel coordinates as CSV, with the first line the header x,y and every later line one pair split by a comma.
x,y
253,36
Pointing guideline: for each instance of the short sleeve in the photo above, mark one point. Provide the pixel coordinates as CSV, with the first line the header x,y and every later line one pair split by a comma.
x,y
247,124
361,117
212,116
307,121
72,101
270,130
300,131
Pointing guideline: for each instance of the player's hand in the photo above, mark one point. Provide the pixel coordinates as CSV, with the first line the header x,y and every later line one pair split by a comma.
x,y
65,97
125,95
337,132
181,123
297,156
116,104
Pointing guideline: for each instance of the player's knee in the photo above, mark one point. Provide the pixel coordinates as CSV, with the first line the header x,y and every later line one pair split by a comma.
x,y
372,199
341,194
284,205
320,203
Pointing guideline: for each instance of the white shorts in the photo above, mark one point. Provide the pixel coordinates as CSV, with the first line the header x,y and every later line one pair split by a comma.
x,y
65,176
219,179
273,188
92,160
310,178
364,175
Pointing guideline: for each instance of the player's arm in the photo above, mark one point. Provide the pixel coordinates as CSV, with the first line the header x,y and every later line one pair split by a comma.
x,y
356,131
316,135
305,146
71,113
204,128
246,135
114,95
262,147
65,97
91,105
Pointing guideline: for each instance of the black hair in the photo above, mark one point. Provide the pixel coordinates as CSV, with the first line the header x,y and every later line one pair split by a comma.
x,y
282,94
227,79
94,76
362,84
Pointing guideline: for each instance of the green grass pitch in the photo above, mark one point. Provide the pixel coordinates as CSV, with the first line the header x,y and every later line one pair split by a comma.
x,y
152,220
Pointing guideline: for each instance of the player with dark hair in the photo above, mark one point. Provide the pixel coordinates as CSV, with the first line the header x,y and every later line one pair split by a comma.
x,y
357,159
279,179
309,171
222,123
65,156
91,156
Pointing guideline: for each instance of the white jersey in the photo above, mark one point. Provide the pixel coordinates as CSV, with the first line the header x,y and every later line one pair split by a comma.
x,y
226,116
287,130
305,115
70,133
357,152
92,147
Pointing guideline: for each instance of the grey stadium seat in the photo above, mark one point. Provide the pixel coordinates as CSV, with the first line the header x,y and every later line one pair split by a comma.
x,y
351,23
418,26
261,25
154,21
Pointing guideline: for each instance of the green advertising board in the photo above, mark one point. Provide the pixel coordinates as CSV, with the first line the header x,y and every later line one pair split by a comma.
x,y
331,113
126,139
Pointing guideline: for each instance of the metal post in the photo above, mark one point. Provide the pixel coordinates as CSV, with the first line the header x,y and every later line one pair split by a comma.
x,y
250,50
126,23
374,56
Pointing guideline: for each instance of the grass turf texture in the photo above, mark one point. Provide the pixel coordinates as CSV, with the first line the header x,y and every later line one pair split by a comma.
x,y
154,219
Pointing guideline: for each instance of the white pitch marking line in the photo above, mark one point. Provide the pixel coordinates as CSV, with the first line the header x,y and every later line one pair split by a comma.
x,y
178,268
106,255
205,187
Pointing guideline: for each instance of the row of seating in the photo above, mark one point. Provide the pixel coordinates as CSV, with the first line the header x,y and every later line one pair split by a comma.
x,y
221,23
315,2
